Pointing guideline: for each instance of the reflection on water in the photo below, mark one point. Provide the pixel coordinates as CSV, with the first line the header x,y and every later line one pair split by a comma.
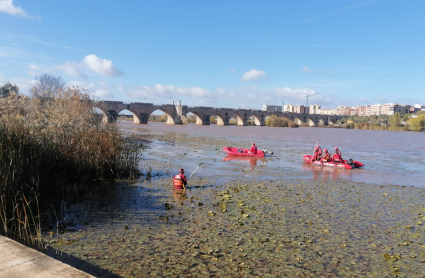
x,y
252,160
329,173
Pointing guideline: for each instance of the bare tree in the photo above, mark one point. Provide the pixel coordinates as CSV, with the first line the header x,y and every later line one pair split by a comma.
x,y
9,89
47,86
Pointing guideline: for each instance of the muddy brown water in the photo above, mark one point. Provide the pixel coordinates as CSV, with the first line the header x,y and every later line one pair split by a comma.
x,y
271,217
390,157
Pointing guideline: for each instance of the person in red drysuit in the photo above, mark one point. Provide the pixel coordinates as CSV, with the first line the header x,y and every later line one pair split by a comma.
x,y
253,149
317,154
338,151
180,180
337,157
326,156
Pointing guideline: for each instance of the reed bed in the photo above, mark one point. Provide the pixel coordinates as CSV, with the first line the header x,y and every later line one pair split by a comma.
x,y
48,142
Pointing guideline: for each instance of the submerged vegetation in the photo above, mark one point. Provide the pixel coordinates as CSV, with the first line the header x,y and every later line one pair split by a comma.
x,y
47,140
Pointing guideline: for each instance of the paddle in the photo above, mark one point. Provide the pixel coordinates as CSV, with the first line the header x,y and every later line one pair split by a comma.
x,y
195,170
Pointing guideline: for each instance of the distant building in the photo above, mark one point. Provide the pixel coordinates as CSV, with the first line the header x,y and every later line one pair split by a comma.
x,y
375,109
288,108
364,110
300,109
332,111
314,109
353,111
272,108
415,108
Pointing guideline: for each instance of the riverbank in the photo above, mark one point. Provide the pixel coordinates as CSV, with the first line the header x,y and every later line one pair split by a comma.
x,y
253,220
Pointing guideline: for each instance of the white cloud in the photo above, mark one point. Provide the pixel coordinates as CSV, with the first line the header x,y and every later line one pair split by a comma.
x,y
75,69
343,9
101,91
7,6
320,72
307,69
7,52
254,97
166,92
72,69
35,69
101,66
254,75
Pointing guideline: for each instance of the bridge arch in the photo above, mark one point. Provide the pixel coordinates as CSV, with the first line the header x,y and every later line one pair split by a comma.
x,y
200,119
260,119
310,121
298,120
222,118
242,118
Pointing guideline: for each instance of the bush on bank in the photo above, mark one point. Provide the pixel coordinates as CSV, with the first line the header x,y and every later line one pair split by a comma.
x,y
48,141
275,121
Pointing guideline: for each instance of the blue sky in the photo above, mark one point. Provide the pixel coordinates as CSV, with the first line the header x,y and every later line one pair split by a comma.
x,y
220,53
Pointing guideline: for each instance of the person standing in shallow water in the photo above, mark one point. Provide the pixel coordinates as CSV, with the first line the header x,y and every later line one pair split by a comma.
x,y
180,180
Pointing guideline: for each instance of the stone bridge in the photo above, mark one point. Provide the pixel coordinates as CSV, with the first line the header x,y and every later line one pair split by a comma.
x,y
177,114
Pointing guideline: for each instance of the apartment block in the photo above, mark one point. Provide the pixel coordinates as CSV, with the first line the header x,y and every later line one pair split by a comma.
x,y
314,109
288,108
272,108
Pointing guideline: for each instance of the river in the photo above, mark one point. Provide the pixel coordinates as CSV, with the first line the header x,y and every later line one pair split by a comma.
x,y
269,217
390,157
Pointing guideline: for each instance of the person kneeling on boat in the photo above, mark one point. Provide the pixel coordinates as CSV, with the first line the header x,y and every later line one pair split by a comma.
x,y
326,156
253,149
180,180
338,151
337,157
316,155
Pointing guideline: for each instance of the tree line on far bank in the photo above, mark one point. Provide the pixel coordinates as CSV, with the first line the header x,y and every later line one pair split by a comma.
x,y
397,122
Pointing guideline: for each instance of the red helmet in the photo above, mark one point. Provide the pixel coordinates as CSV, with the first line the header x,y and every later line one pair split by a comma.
x,y
318,147
253,144
181,170
336,148
325,150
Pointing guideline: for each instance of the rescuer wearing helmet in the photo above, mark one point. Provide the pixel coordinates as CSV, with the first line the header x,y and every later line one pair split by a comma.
x,y
338,151
253,149
180,180
316,155
326,156
337,156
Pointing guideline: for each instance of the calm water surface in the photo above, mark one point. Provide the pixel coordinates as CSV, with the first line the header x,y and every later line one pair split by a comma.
x,y
390,157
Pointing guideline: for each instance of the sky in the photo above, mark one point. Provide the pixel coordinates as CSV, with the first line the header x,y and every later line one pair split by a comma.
x,y
220,53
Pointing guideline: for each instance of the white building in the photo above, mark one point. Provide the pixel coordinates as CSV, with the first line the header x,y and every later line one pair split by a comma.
x,y
272,108
288,108
314,109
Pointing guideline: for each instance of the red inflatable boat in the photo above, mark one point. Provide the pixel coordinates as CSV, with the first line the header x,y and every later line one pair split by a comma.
x,y
242,152
347,164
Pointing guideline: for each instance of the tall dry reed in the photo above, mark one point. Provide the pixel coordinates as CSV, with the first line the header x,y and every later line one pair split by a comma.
x,y
46,142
